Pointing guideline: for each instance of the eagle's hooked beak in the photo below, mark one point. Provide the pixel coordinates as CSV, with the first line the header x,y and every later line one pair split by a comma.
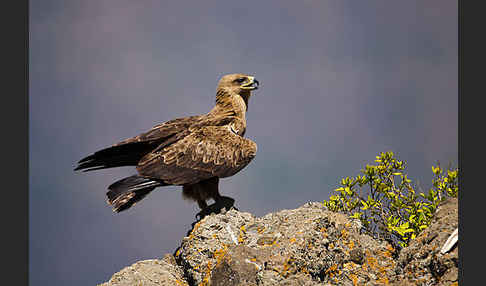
x,y
251,84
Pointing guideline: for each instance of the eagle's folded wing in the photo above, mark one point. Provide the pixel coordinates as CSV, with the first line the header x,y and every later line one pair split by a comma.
x,y
163,130
128,152
206,152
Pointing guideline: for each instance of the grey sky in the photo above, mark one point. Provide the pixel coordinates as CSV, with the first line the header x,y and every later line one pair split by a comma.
x,y
341,81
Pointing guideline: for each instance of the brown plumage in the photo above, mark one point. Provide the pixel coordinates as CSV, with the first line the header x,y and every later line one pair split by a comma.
x,y
192,152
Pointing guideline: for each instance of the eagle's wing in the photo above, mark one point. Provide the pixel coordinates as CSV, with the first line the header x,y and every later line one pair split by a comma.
x,y
163,131
128,152
204,153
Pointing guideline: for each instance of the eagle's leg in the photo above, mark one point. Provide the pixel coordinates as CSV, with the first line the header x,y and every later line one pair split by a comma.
x,y
210,188
220,203
202,204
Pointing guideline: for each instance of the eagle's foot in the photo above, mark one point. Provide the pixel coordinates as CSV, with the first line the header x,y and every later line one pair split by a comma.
x,y
223,203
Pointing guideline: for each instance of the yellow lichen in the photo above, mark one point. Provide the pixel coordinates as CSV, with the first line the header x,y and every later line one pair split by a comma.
x,y
181,283
354,278
241,236
219,255
331,271
207,275
288,267
344,233
371,260
389,251
383,280
323,231
350,265
194,229
372,263
350,244
310,245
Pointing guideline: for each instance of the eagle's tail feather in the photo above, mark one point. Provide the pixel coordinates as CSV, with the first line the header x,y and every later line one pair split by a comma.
x,y
116,156
126,192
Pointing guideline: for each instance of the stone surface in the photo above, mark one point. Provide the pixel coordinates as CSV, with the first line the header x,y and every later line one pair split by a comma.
x,y
305,246
149,273
421,263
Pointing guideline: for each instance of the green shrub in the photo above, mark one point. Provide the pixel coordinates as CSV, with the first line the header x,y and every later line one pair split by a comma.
x,y
385,201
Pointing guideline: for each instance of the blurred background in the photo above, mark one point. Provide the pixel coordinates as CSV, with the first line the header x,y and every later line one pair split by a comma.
x,y
341,81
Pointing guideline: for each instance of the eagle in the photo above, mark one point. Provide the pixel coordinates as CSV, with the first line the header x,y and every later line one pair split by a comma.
x,y
193,152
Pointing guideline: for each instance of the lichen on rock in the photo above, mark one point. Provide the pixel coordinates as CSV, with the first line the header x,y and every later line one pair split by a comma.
x,y
305,246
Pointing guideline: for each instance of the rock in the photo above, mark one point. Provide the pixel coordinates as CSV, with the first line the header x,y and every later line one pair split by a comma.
x,y
149,273
421,263
305,246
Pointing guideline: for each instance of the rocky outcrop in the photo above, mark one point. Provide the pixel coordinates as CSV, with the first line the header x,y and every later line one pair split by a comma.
x,y
305,246
421,263
149,273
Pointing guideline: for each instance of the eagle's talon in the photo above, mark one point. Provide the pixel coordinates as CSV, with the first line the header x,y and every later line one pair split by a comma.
x,y
221,206
202,214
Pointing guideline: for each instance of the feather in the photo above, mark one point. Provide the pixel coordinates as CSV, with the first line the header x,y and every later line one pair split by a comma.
x,y
126,192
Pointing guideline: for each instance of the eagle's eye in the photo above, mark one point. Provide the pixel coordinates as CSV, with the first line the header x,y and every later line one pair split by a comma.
x,y
240,80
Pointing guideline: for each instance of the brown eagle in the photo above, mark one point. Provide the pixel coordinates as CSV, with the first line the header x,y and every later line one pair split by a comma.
x,y
192,152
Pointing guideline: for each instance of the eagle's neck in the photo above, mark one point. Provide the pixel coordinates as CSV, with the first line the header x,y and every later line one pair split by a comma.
x,y
231,104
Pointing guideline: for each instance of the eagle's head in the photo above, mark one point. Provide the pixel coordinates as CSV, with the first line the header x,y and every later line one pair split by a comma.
x,y
236,84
